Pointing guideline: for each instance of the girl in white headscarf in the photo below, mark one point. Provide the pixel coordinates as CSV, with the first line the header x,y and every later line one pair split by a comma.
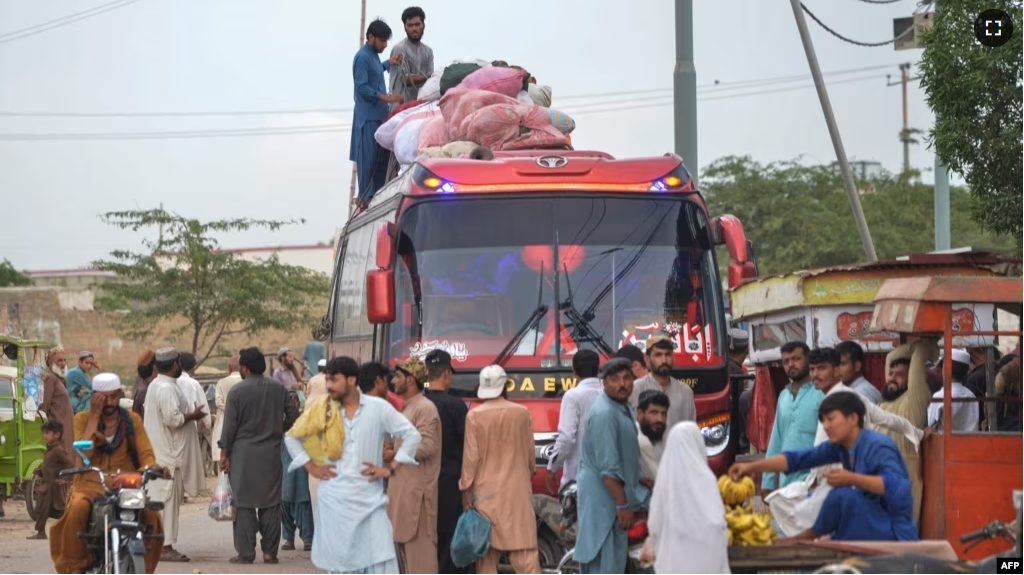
x,y
688,533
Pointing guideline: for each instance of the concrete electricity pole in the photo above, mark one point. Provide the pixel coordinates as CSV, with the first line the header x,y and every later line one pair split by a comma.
x,y
942,225
355,178
684,87
906,134
833,130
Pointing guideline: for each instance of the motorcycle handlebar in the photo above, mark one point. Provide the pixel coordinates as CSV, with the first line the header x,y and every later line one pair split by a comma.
x,y
985,532
79,470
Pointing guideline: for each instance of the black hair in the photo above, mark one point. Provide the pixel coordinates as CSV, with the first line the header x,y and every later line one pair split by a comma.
x,y
342,365
165,366
852,349
54,426
145,371
413,12
899,361
586,363
435,371
820,355
378,29
845,403
791,346
662,344
188,361
253,360
632,353
961,371
368,374
652,397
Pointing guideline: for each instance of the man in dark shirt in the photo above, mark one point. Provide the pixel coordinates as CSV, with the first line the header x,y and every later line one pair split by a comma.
x,y
453,433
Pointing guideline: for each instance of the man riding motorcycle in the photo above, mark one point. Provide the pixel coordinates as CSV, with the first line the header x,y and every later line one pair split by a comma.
x,y
119,444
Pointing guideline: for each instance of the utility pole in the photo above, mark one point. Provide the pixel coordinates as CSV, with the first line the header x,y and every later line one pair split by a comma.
x,y
833,130
906,134
160,236
684,88
355,174
942,226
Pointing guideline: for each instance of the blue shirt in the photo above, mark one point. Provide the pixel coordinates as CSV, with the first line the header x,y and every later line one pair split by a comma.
x,y
888,517
368,78
80,389
796,423
609,449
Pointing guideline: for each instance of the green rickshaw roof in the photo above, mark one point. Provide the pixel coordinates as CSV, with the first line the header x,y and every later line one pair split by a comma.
x,y
7,340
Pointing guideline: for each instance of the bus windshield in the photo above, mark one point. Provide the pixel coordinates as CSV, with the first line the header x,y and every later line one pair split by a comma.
x,y
563,273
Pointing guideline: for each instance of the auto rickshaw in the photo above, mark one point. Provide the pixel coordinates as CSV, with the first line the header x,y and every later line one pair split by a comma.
x,y
21,435
969,477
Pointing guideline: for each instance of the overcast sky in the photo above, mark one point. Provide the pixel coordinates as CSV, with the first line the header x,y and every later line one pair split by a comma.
x,y
270,55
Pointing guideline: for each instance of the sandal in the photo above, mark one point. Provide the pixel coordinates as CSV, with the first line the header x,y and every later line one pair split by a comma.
x,y
287,546
173,556
270,559
37,536
237,559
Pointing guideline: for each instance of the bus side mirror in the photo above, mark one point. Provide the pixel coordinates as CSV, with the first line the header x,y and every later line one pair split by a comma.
x,y
739,272
385,244
729,231
380,296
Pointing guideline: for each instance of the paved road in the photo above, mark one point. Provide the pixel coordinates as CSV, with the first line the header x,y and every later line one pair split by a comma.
x,y
207,542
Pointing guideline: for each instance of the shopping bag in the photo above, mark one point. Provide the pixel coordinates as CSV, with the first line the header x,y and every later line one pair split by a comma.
x,y
795,507
222,504
472,538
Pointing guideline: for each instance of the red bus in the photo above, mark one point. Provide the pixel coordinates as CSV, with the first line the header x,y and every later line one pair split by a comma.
x,y
526,258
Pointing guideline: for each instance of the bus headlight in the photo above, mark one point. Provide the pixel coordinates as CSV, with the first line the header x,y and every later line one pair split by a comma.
x,y
715,430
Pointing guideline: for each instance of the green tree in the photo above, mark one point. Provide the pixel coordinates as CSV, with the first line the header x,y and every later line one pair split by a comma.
x,y
799,217
210,293
10,277
975,92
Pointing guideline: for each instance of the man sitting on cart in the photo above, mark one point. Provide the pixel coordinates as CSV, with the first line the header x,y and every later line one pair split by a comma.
x,y
119,443
871,498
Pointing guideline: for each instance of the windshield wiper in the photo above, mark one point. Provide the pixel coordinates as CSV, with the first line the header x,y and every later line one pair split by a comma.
x,y
531,323
584,331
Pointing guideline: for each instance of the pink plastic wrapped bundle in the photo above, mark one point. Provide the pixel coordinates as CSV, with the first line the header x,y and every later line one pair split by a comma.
x,y
506,81
512,126
460,103
222,503
433,133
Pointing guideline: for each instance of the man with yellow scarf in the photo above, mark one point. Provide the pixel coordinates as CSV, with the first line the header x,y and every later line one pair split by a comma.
x,y
340,441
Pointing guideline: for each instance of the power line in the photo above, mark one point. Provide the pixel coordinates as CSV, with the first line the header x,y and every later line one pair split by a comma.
x,y
706,88
620,106
851,41
64,21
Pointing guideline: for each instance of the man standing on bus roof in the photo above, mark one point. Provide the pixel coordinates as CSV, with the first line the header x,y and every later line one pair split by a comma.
x,y
452,411
417,58
371,110
660,350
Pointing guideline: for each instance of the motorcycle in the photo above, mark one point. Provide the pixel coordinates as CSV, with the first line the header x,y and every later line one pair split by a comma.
x,y
917,563
637,535
115,534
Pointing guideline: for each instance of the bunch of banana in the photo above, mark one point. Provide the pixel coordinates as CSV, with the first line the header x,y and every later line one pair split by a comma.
x,y
735,493
749,529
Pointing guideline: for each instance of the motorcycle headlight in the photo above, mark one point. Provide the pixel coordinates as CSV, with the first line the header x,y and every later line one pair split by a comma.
x,y
131,499
128,515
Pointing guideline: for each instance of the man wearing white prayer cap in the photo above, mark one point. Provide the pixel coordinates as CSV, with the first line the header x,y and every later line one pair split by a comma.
x,y
168,414
965,415
120,443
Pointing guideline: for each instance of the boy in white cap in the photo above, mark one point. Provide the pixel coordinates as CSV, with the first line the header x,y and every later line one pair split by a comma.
x,y
498,464
965,415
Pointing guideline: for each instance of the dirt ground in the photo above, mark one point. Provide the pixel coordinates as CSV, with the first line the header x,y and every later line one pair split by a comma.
x,y
207,542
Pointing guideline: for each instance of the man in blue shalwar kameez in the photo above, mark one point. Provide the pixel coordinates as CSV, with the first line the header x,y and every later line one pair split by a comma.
x,y
871,498
608,480
371,110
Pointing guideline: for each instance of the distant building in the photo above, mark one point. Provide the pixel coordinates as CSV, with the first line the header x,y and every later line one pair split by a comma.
x,y
863,171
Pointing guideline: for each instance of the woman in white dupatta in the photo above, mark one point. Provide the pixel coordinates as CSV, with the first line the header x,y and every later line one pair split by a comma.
x,y
688,533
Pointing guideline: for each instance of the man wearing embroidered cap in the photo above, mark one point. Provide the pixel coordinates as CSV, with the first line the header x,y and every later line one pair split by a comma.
x,y
168,415
965,415
498,464
120,442
608,482
412,493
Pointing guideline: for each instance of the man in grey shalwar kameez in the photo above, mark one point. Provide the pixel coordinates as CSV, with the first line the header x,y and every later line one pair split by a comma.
x,y
257,414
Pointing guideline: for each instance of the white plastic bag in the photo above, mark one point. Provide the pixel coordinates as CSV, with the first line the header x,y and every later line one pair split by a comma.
x,y
407,141
385,134
430,91
795,507
222,503
524,97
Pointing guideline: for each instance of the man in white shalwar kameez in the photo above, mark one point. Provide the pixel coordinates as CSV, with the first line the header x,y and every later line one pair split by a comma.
x,y
168,417
353,533
194,473
220,402
688,533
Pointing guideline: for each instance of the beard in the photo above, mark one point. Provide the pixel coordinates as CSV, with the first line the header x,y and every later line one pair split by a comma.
x,y
652,433
61,372
892,394
663,370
